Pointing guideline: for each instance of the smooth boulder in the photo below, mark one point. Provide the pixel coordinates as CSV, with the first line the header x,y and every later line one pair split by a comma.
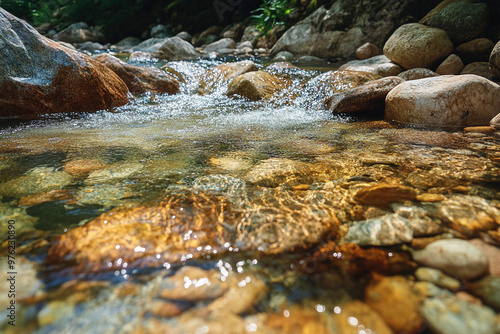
x,y
175,48
452,65
455,257
256,85
39,76
415,45
444,101
367,97
495,60
379,65
141,79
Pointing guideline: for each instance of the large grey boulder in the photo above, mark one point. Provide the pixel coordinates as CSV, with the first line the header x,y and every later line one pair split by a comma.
x,y
175,48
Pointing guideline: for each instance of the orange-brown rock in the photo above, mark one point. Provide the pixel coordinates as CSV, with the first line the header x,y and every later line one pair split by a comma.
x,y
367,97
385,194
225,73
141,79
39,76
355,260
256,85
82,166
52,195
170,231
397,303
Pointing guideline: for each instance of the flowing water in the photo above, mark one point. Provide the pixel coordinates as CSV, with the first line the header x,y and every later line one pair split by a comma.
x,y
225,216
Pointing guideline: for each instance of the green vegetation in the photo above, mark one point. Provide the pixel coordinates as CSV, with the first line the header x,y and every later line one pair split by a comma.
x,y
270,14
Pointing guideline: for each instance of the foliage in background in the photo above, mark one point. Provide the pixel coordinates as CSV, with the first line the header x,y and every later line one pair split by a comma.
x,y
270,14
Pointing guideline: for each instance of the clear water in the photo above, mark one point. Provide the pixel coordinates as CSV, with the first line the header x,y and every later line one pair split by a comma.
x,y
160,146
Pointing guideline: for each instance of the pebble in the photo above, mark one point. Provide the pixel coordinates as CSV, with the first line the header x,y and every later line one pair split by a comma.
x,y
397,303
454,257
452,315
427,197
488,289
437,277
382,231
492,253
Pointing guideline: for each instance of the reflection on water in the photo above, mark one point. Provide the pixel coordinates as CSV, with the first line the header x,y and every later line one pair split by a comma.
x,y
197,214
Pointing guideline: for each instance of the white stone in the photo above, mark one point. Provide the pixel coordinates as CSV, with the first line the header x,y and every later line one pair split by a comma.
x,y
456,101
455,257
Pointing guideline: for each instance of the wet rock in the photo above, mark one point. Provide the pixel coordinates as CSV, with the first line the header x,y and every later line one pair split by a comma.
x,y
451,315
367,97
127,43
174,230
382,231
462,20
235,32
419,220
225,43
428,197
492,253
469,215
495,122
437,277
225,73
356,313
394,299
480,129
283,56
452,65
234,188
322,87
427,138
367,50
164,309
175,48
54,80
139,79
417,73
458,101
52,195
454,257
26,285
35,181
150,45
436,177
256,86
385,194
82,167
488,289
275,171
379,65
477,50
54,311
494,60
356,260
79,33
23,222
92,46
193,284
277,221
113,173
184,35
479,68
106,195
414,45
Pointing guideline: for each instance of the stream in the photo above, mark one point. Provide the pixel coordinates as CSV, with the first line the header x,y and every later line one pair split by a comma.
x,y
195,213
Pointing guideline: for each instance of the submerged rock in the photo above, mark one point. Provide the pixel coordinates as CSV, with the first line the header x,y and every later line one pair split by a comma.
x,y
437,277
415,45
321,88
488,289
35,181
256,85
385,194
141,79
364,314
456,101
394,299
379,65
224,74
174,230
452,315
454,257
54,80
382,231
